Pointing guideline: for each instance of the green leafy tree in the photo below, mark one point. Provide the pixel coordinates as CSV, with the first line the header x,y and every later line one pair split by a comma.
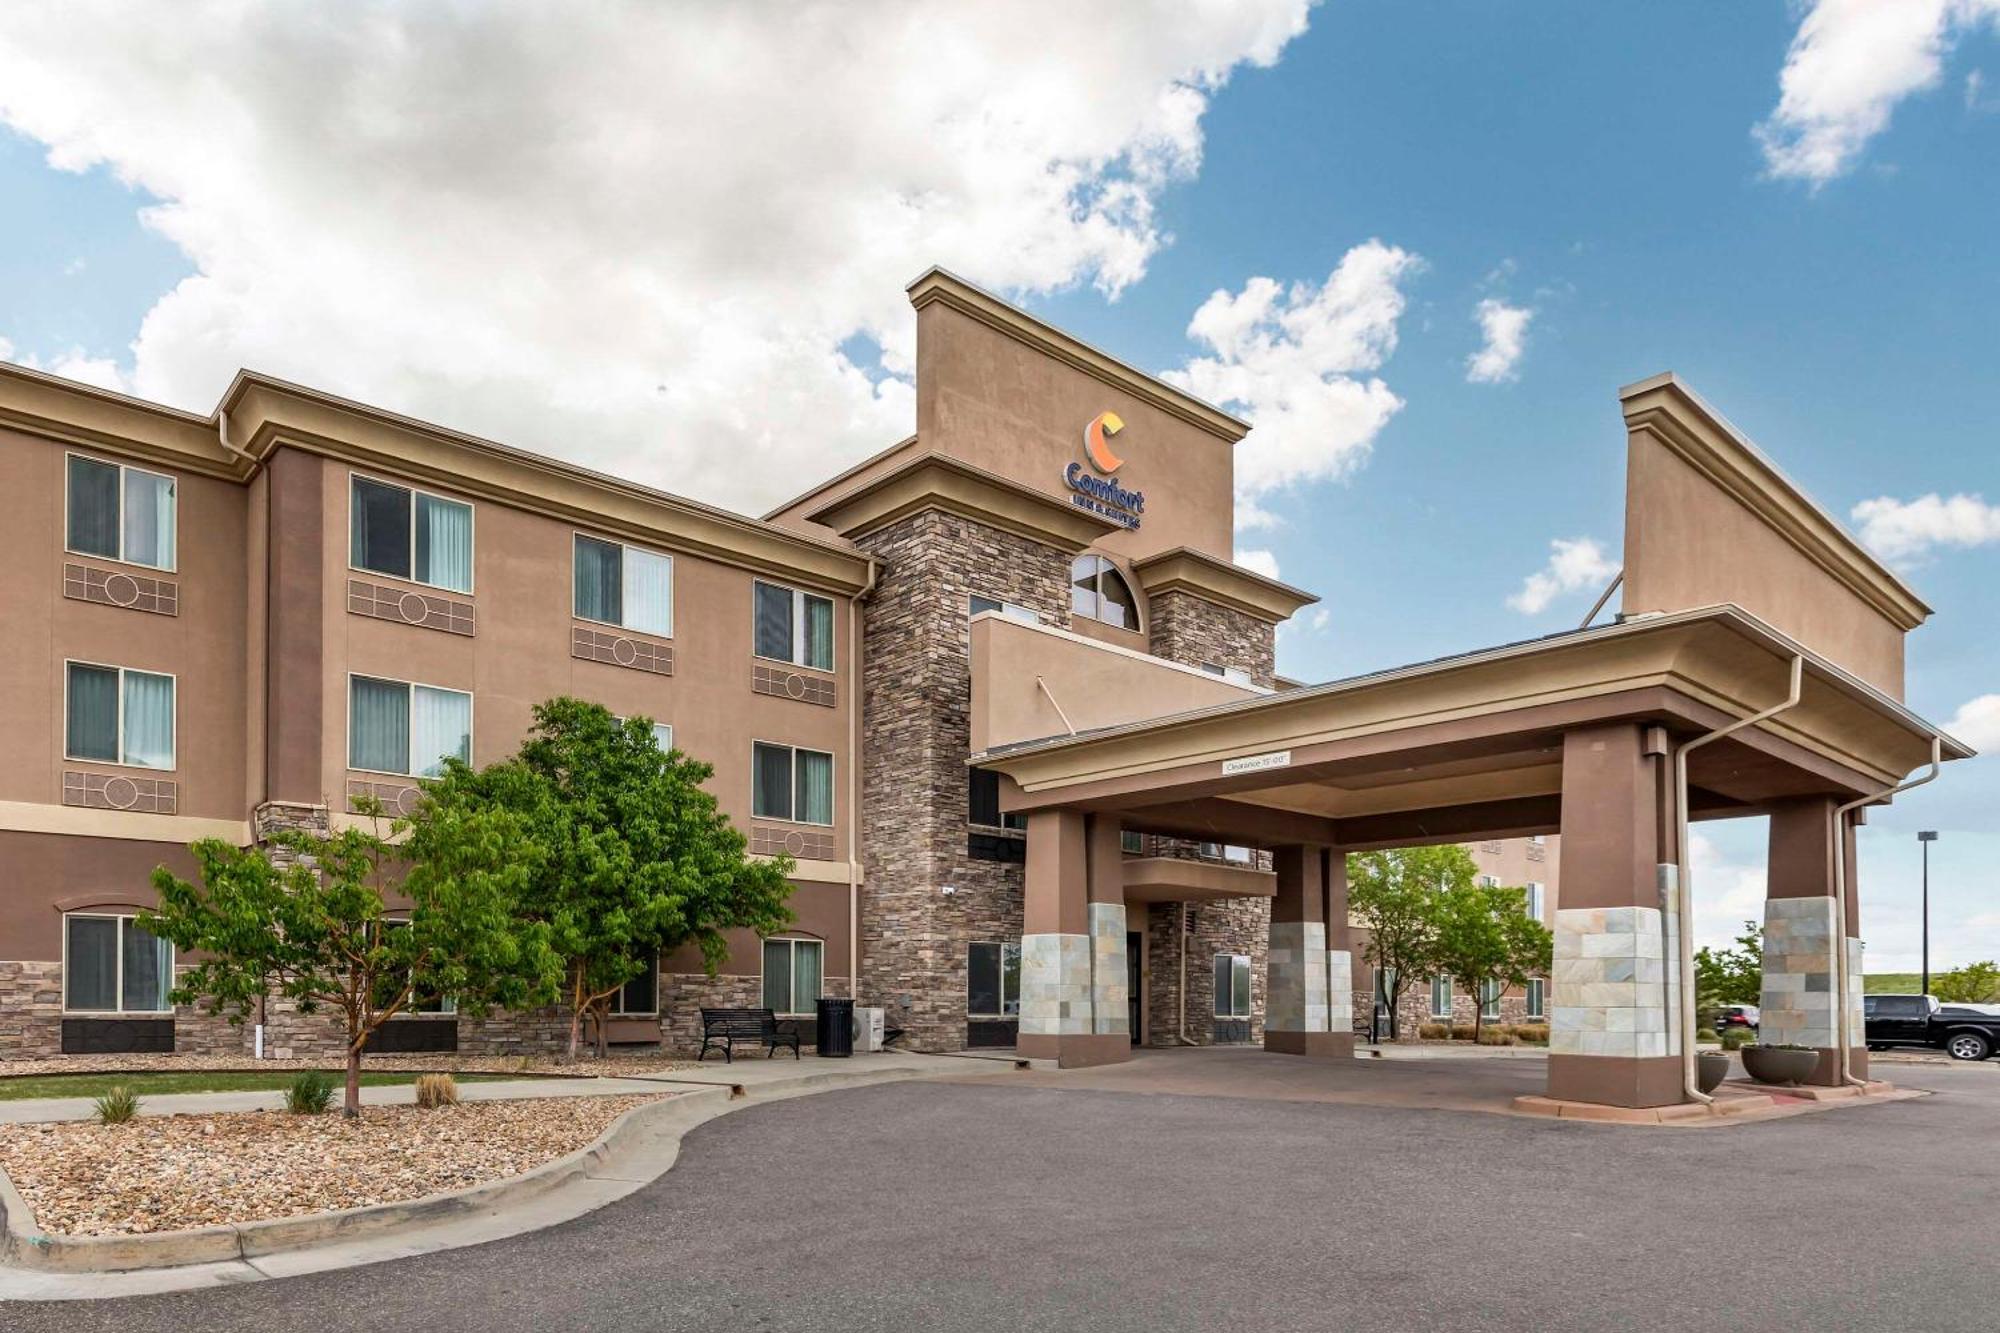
x,y
1975,983
1485,935
1730,976
1392,894
318,929
627,856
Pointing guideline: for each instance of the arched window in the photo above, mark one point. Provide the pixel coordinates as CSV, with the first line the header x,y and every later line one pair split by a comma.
x,y
1098,590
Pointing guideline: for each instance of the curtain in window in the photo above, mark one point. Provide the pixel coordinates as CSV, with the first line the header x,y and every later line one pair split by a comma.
x,y
815,788
149,519
819,633
599,575
774,622
444,543
1083,585
440,728
149,970
805,974
93,508
649,593
663,736
378,726
778,976
90,975
380,528
92,726
771,782
149,720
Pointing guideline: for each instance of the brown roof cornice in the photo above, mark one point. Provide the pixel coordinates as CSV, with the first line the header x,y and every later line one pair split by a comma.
x,y
939,481
1199,574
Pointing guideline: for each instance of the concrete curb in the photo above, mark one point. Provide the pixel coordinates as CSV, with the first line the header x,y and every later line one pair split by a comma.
x,y
635,1149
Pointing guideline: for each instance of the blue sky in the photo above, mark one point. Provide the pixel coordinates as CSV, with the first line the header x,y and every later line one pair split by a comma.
x,y
1830,285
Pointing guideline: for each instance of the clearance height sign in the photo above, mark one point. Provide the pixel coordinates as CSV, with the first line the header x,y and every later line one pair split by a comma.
x,y
1099,493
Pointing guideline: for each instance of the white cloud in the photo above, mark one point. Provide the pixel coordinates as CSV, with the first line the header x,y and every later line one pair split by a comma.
x,y
1574,562
1259,562
75,364
1977,723
1726,891
1908,529
1850,64
1320,618
1295,361
631,234
1505,330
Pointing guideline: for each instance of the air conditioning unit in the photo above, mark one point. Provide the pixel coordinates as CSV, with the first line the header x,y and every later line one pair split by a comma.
x,y
867,1029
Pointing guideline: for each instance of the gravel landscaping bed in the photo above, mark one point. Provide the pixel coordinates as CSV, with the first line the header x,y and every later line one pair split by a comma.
x,y
650,1062
184,1171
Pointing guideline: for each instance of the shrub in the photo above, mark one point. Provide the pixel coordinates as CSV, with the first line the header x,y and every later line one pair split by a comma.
x,y
1495,1037
1532,1034
1706,1034
1461,1032
310,1093
1434,1031
1736,1039
116,1106
435,1090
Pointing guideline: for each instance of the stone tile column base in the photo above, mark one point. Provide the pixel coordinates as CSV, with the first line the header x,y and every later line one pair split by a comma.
x,y
1295,998
1609,1026
1797,1001
1056,1003
1074,1052
1340,992
1110,981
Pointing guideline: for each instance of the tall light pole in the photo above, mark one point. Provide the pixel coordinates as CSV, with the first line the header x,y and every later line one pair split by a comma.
x,y
1924,839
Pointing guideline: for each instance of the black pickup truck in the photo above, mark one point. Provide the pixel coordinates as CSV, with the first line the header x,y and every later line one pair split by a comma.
x,y
1962,1031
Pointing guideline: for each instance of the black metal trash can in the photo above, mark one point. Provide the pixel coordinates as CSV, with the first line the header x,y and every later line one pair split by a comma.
x,y
836,1026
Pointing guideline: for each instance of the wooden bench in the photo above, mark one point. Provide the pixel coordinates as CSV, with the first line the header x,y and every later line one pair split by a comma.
x,y
721,1029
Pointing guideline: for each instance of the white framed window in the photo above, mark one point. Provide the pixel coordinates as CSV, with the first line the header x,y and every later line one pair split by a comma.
x,y
1131,840
1099,591
1232,985
1489,998
1440,997
1537,997
993,979
792,971
663,733
627,586
790,783
119,512
117,715
1227,852
1234,675
418,1004
1489,881
791,626
978,602
404,533
396,726
1536,899
1537,839
110,966
639,997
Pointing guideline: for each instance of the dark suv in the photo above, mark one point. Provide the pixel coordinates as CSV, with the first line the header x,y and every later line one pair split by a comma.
x,y
1962,1031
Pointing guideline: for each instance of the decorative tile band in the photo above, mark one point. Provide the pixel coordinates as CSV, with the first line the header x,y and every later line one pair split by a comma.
x,y
1110,982
407,606
1339,990
799,844
782,684
1613,987
115,791
112,587
1798,1001
1296,998
1055,985
620,650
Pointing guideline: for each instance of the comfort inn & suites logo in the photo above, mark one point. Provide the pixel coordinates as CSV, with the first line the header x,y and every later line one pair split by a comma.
x,y
1101,495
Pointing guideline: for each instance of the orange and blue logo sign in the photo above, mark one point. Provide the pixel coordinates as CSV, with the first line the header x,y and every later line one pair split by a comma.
x,y
1101,495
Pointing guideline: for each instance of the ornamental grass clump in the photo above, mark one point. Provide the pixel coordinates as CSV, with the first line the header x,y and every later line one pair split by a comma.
x,y
1737,1038
116,1106
310,1094
435,1090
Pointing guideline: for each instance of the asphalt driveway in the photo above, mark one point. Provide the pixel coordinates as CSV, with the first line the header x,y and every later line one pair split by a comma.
x,y
997,1205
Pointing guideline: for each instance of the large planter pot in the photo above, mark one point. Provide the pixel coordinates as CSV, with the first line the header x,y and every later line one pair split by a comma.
x,y
1774,1064
1711,1067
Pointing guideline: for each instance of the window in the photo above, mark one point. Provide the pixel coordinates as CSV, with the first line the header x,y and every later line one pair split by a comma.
x,y
1236,856
1535,897
982,803
1131,840
396,727
993,980
409,534
121,513
1229,673
1099,591
791,784
791,975
640,995
116,716
615,584
1232,985
1537,839
1489,881
977,603
1537,997
663,736
792,626
418,1004
1440,997
1489,998
110,966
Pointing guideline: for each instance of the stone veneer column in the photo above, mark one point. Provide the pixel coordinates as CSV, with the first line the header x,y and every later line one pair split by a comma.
x,y
1295,1014
1058,1018
1339,956
1611,1034
1110,981
1799,1000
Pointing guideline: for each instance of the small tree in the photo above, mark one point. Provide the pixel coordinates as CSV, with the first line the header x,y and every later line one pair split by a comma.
x,y
1730,976
1485,935
318,930
628,857
1975,983
1391,893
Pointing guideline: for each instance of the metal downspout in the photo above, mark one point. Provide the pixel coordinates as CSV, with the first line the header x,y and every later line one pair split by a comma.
x,y
854,766
1683,894
1843,1027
